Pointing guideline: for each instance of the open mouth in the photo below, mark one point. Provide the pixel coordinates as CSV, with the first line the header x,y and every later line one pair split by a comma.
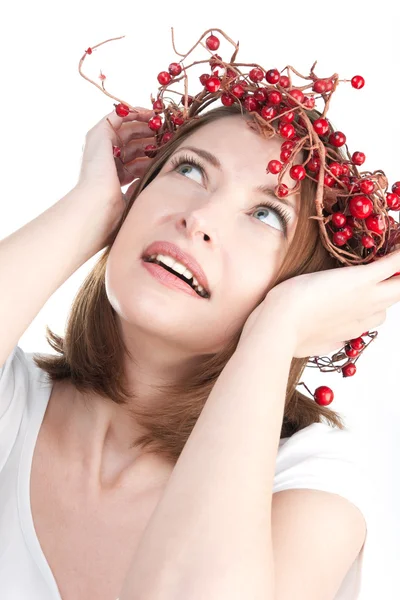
x,y
200,292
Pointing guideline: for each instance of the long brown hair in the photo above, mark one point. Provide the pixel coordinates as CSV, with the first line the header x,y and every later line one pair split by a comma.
x,y
91,352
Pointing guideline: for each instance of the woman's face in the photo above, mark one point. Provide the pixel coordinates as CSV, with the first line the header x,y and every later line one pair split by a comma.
x,y
216,217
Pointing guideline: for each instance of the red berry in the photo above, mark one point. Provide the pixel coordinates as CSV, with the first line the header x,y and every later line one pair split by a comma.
x,y
349,370
367,186
212,42
338,219
261,95
329,84
345,169
319,86
323,395
358,158
274,167
284,81
339,238
396,187
275,97
150,150
313,165
189,100
116,151
164,78
238,90
358,82
357,343
177,119
286,130
350,351
321,126
213,84
158,105
122,110
360,207
256,75
272,76
335,168
251,104
269,112
89,51
166,137
337,139
297,172
155,123
348,231
203,78
375,223
285,155
295,95
289,145
175,69
329,181
288,117
281,190
227,100
393,201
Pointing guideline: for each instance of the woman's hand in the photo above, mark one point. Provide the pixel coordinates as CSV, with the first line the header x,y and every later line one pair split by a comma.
x,y
320,311
102,175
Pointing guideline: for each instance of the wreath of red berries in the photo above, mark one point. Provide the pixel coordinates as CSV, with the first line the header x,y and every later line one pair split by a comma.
x,y
352,206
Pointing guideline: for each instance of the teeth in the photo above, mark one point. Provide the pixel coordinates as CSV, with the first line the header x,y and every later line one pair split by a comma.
x,y
181,269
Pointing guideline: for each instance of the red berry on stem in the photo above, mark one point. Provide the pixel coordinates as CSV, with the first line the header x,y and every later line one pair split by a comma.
x,y
212,42
122,110
309,102
286,130
213,84
329,181
357,343
393,201
155,123
297,172
319,86
349,370
360,207
375,223
335,168
227,100
340,238
357,82
116,151
256,75
166,137
89,51
251,104
323,395
367,186
396,187
158,105
175,69
238,90
281,190
337,139
203,78
275,97
321,126
284,81
261,95
338,219
272,76
295,95
269,112
358,158
164,77
274,167
367,241
288,117
150,150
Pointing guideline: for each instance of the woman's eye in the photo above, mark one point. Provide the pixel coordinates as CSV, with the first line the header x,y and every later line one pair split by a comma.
x,y
190,167
275,213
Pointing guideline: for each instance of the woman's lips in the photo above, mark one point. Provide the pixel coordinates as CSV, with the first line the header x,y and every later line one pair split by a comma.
x,y
168,279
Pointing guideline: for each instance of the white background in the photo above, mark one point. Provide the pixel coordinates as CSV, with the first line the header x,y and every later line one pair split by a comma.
x,y
47,107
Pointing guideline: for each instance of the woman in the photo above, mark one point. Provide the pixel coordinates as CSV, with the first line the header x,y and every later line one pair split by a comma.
x,y
164,455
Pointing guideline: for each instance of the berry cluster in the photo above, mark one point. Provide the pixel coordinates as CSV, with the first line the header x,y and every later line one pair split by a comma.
x,y
352,206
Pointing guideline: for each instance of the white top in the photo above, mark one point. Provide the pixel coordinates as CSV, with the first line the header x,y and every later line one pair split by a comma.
x,y
317,457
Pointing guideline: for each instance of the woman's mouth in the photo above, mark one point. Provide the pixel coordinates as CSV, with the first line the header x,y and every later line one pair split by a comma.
x,y
171,278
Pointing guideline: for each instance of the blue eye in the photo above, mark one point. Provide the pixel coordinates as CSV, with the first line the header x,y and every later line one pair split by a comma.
x,y
283,216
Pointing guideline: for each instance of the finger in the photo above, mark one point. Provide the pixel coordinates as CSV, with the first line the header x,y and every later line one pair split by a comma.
x,y
385,267
139,114
134,130
134,149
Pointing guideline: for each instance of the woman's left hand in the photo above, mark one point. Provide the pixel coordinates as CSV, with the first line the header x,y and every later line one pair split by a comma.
x,y
320,311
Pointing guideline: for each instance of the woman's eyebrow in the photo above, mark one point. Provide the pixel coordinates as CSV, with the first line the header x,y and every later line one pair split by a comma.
x,y
267,190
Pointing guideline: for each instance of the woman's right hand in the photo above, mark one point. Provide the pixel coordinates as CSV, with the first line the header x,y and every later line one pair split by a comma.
x,y
102,175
